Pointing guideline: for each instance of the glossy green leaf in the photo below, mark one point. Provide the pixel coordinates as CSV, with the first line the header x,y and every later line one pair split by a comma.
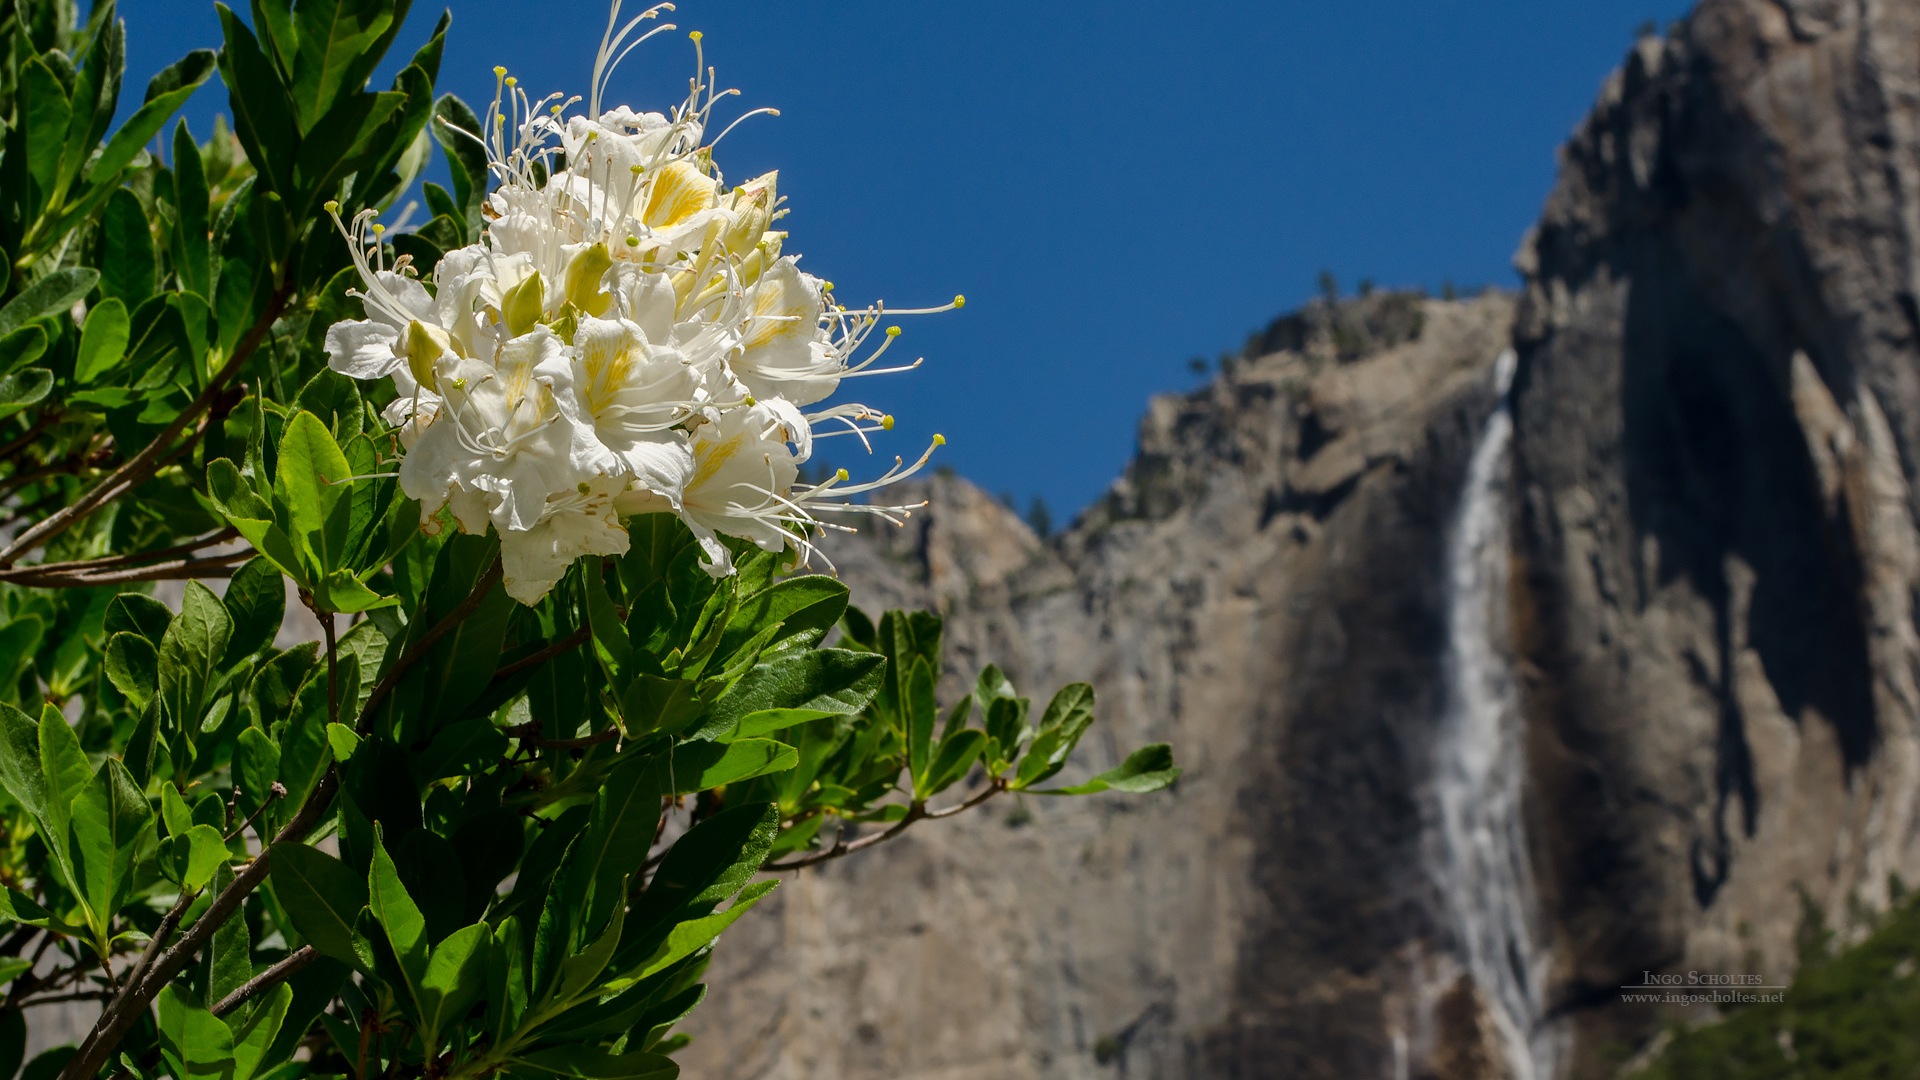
x,y
1149,768
580,1061
256,768
128,263
398,916
956,755
254,1031
103,340
190,651
256,603
167,91
110,817
133,667
229,953
196,1044
701,766
21,774
454,978
691,936
322,897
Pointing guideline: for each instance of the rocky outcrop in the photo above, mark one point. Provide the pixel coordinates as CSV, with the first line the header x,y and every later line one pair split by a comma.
x,y
1261,589
1718,415
1715,567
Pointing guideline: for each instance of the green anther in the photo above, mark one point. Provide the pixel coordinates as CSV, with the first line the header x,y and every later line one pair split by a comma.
x,y
524,304
583,280
583,487
842,475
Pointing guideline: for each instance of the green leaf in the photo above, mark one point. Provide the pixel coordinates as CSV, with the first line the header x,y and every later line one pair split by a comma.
x,y
67,773
454,978
23,388
312,479
168,90
459,132
256,768
338,44
192,858
254,1035
1149,768
322,898
23,346
626,813
44,114
921,711
110,816
768,721
957,754
711,862
701,766
335,400
263,116
12,967
132,667
229,963
190,652
839,682
191,244
21,774
134,613
17,907
398,916
256,603
342,740
196,1044
584,1062
50,295
1067,718
691,936
128,264
103,341
802,606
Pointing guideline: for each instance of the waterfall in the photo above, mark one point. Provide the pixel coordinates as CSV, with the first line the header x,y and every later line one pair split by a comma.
x,y
1480,859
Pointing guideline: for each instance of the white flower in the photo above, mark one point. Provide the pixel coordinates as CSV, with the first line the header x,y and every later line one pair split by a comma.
x,y
504,431
785,352
634,396
742,465
572,524
626,337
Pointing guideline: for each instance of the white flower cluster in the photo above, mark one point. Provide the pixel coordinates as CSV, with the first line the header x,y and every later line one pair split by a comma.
x,y
627,338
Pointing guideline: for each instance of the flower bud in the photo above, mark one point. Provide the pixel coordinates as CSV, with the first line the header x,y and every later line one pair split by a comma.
x,y
524,305
424,346
584,275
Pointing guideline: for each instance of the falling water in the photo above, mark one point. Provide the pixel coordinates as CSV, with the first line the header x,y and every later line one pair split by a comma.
x,y
1481,862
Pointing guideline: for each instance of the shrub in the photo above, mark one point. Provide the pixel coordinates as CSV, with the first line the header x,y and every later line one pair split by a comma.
x,y
569,695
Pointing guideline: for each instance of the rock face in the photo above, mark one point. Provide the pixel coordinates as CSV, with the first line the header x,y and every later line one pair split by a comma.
x,y
1715,566
1263,590
1718,416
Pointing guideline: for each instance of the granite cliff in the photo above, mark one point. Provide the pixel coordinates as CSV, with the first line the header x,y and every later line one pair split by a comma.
x,y
1712,564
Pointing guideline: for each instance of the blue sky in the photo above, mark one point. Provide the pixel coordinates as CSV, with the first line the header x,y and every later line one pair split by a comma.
x,y
1116,186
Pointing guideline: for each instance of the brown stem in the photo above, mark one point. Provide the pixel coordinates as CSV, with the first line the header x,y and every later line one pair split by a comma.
x,y
333,663
418,649
41,423
211,566
149,459
138,558
564,645
917,812
271,977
